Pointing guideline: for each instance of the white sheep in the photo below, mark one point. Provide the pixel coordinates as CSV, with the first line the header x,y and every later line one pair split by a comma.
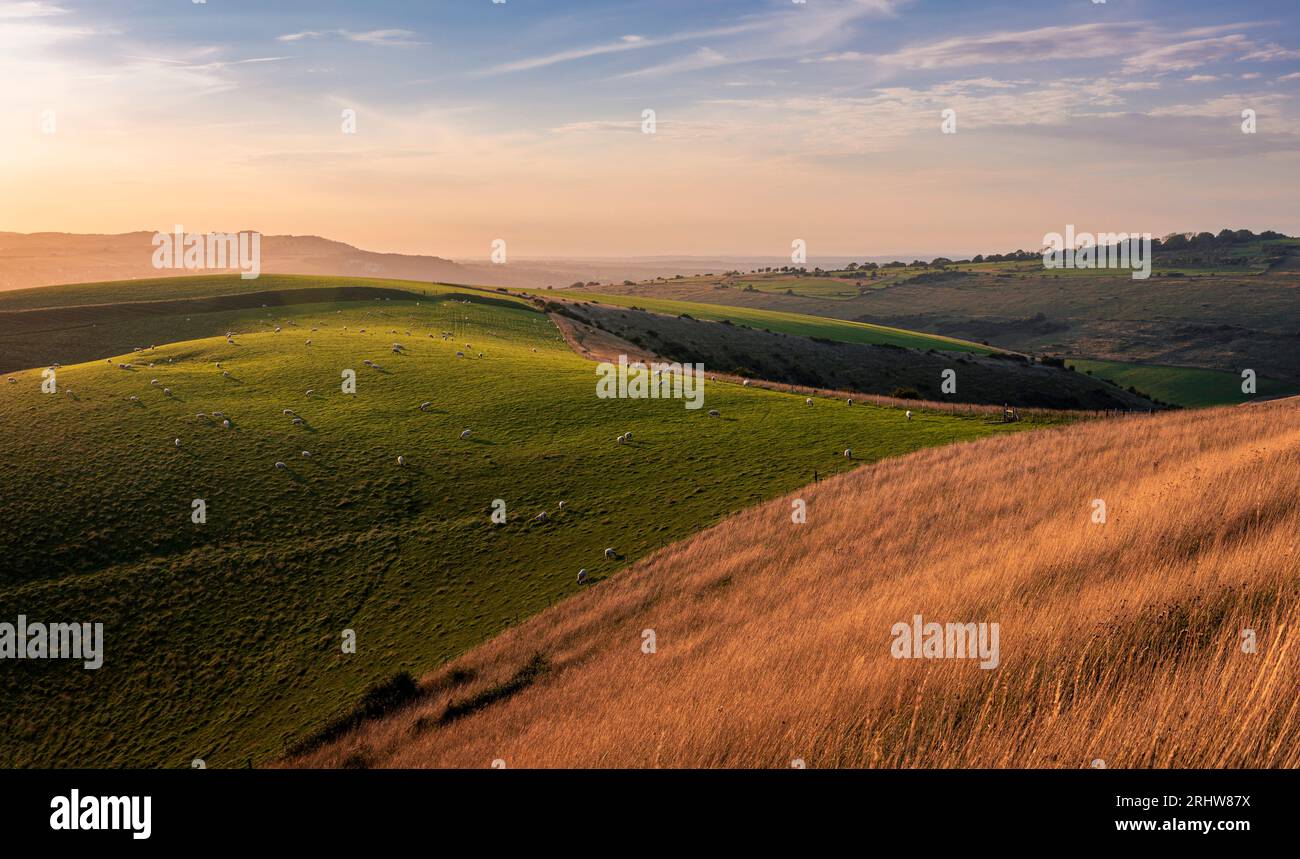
x,y
178,442
808,401
909,414
201,416
620,439
218,414
308,342
628,435
745,384
288,411
714,413
12,380
277,329
610,553
167,392
582,576
311,391
225,373
460,354
401,460
465,434
226,423
306,453
849,401
153,381
541,517
848,453
134,398
424,406
297,422
281,465
561,505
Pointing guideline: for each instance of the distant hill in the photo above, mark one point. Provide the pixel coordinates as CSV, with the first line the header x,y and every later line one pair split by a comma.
x,y
41,259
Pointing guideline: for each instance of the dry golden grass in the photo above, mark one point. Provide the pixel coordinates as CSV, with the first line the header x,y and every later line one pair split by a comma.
x,y
1119,641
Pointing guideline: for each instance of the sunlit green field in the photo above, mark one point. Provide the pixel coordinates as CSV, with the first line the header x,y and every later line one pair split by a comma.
x,y
223,638
1183,386
789,323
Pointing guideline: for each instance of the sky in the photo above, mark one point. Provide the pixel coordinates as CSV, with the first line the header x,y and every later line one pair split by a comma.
x,y
773,121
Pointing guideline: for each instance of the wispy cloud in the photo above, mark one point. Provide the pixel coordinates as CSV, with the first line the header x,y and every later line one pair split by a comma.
x,y
391,37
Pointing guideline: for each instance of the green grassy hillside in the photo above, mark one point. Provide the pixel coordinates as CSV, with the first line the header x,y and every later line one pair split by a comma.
x,y
1183,386
223,639
783,322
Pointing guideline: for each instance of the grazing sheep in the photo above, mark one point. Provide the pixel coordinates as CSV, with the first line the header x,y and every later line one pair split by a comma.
x,y
610,553
849,401
909,414
201,416
12,380
218,414
306,453
277,329
311,391
808,401
561,505
225,373
134,398
288,411
582,576
620,439
745,384
226,423
480,354
218,365
308,342
424,406
368,362
297,422
628,435
153,381
714,413
401,460
465,434
541,517
167,392
178,442
281,465
848,453
460,354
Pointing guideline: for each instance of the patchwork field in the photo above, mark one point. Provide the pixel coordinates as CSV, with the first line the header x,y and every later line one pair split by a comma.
x,y
223,638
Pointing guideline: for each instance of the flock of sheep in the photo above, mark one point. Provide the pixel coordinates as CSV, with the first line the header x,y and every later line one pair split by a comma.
x,y
398,349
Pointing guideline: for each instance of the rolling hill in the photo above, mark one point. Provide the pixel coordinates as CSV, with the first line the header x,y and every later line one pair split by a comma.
x,y
223,637
1162,635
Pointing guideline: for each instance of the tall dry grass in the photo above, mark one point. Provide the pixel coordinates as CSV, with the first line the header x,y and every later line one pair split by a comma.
x,y
1119,641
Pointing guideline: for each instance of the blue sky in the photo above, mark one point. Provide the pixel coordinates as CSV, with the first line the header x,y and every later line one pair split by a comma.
x,y
774,119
